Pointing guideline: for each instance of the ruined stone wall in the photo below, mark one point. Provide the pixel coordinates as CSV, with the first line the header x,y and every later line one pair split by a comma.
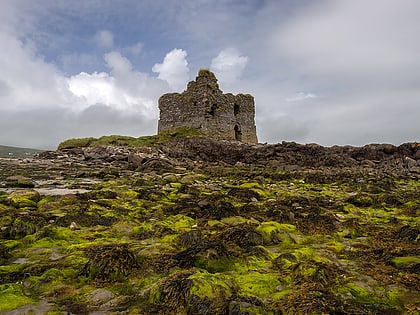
x,y
204,106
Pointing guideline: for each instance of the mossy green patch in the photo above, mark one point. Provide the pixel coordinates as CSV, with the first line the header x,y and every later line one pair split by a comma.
x,y
405,261
359,292
3,196
217,265
208,285
178,223
25,198
304,253
117,140
75,143
274,232
13,268
257,284
253,263
12,297
262,191
234,220
394,296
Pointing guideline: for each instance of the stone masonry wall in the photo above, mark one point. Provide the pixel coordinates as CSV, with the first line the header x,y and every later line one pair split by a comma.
x,y
204,106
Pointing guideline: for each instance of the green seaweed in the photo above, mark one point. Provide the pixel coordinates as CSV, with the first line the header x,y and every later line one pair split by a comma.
x,y
12,297
257,284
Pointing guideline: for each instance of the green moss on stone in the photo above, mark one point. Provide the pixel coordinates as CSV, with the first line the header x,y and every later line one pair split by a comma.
x,y
405,261
274,232
12,297
25,198
257,284
208,285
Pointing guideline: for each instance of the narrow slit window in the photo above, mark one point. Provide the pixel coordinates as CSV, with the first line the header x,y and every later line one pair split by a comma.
x,y
213,110
236,109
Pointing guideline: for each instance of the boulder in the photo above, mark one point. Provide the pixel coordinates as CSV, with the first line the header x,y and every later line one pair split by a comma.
x,y
24,198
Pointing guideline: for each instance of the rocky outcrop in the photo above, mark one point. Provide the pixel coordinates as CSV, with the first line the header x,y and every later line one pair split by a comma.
x,y
187,152
197,153
405,156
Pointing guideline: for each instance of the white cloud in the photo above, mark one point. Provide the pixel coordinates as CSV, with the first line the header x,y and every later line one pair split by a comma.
x,y
174,69
229,65
301,96
104,39
39,105
29,80
118,63
95,88
135,49
123,89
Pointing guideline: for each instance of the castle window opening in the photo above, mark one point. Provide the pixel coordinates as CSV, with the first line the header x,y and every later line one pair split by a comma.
x,y
238,133
212,110
236,109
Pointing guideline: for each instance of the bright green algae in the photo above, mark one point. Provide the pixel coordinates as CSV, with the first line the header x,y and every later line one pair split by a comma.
x,y
190,242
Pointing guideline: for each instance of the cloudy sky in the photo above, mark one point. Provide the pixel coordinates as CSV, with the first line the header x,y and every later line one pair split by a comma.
x,y
324,71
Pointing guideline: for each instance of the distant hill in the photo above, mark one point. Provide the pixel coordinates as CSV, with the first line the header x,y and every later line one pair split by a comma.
x,y
6,151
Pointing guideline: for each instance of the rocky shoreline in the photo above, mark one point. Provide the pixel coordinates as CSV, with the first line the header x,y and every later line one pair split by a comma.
x,y
198,226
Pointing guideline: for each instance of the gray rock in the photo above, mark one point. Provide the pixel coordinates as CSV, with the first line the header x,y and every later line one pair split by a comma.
x,y
100,296
409,162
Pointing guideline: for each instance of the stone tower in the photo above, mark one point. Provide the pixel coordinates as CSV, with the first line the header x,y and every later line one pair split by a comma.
x,y
203,106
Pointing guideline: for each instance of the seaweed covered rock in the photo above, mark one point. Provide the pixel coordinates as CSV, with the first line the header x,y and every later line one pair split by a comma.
x,y
109,263
24,224
24,199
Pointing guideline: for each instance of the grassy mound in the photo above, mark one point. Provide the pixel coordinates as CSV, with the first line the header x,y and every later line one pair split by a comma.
x,y
115,140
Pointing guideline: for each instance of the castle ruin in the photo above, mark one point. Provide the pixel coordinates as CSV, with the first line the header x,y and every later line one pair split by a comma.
x,y
203,106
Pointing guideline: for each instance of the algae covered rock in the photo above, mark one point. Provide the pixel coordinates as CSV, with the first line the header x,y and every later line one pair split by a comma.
x,y
100,296
407,262
109,263
25,224
25,198
20,181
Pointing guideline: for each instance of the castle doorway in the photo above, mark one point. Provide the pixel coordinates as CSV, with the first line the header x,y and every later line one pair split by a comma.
x,y
238,133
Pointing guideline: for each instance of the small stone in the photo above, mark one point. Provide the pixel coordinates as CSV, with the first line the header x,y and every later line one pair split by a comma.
x,y
203,203
135,159
340,216
409,162
100,296
291,217
74,226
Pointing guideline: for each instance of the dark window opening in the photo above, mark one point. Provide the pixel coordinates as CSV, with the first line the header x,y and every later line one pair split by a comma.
x,y
236,109
212,110
238,133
